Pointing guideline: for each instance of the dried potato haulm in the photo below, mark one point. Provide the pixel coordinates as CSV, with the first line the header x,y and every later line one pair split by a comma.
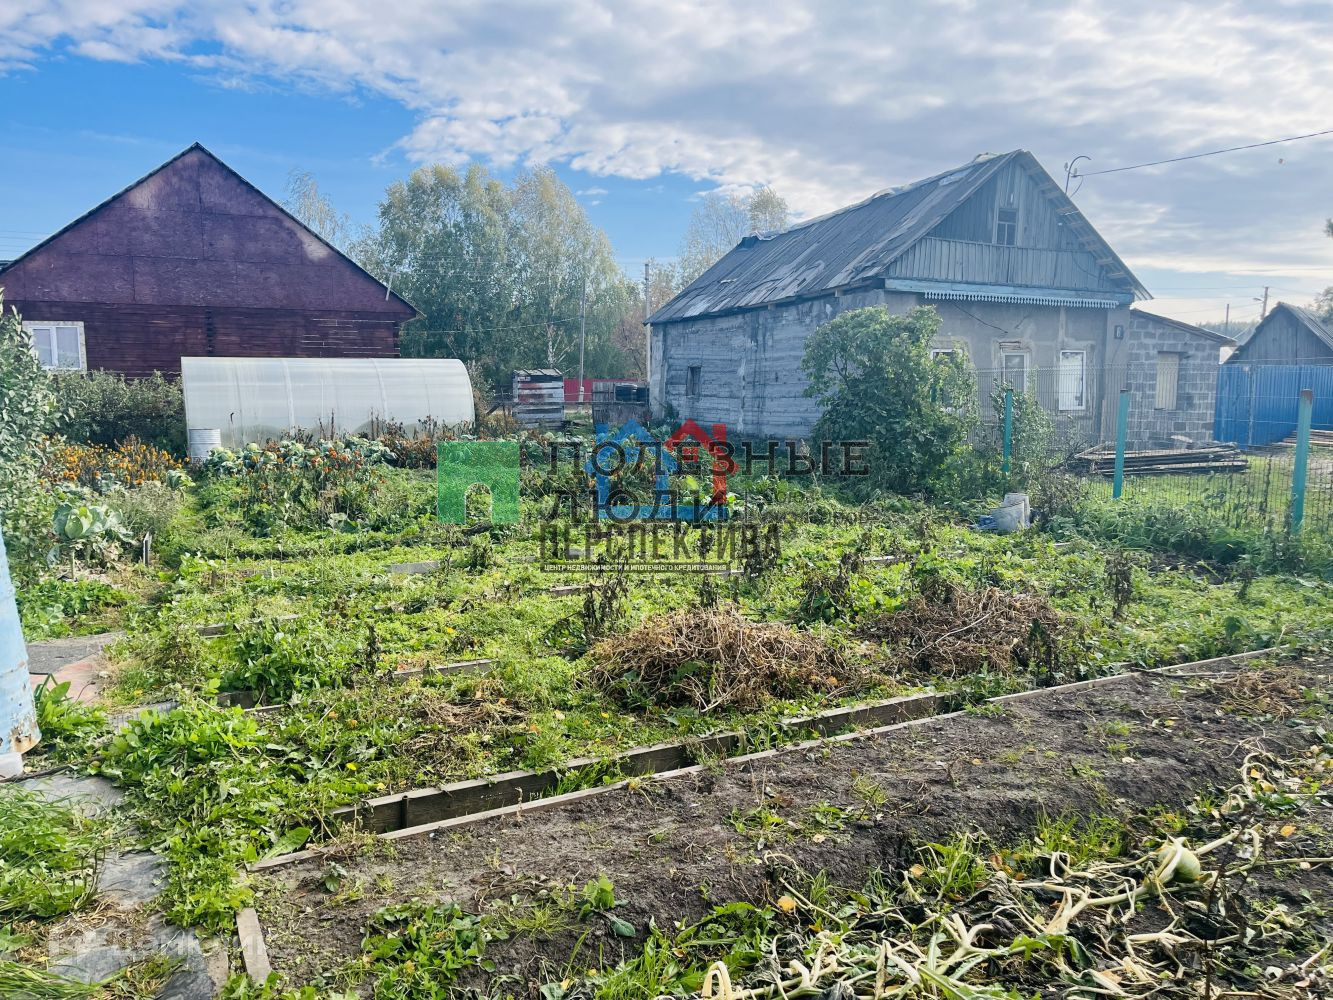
x,y
715,658
967,631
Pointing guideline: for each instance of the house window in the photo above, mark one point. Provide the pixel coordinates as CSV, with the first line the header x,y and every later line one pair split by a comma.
x,y
694,381
1168,379
941,352
58,346
1015,366
1006,227
1073,380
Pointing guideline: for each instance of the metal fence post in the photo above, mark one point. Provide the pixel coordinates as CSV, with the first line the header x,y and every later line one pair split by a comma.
x,y
1121,434
1008,428
1302,462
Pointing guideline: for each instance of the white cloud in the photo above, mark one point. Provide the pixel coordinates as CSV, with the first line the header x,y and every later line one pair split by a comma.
x,y
825,101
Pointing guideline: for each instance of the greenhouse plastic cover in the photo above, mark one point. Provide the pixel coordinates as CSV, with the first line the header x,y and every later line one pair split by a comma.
x,y
258,399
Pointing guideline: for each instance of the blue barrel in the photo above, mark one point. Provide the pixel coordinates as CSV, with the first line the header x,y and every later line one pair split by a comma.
x,y
18,715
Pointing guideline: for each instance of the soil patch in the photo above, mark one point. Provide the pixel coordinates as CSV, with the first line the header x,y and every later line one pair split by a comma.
x,y
676,847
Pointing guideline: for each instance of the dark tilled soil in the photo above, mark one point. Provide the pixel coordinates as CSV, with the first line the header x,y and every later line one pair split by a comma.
x,y
673,850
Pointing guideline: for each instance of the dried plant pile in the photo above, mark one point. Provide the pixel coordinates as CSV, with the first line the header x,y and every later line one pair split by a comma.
x,y
1180,921
713,658
967,631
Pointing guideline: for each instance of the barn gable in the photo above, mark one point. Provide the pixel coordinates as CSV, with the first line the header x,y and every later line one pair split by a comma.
x,y
1287,335
195,233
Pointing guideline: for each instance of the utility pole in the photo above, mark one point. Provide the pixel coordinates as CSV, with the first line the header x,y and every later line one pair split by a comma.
x,y
647,331
1226,323
1263,311
583,332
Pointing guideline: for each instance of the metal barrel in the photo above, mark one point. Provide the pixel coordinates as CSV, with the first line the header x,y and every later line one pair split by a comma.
x,y
203,442
18,714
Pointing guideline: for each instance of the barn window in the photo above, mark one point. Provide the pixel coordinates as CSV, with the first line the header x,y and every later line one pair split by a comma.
x,y
1168,380
694,381
58,346
1015,365
1006,227
1073,380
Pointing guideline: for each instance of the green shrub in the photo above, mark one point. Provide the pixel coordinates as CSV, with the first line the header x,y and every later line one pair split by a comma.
x,y
28,411
107,409
876,381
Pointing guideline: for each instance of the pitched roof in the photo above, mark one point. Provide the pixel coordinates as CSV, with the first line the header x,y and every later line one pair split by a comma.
x,y
6,266
857,243
1303,316
1187,327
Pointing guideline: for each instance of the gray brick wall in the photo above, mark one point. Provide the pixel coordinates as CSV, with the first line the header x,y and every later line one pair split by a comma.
x,y
1146,338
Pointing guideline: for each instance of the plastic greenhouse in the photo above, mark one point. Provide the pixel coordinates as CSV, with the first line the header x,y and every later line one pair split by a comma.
x,y
257,399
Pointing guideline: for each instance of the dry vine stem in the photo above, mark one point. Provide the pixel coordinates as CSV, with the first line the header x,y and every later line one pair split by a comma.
x,y
898,967
716,658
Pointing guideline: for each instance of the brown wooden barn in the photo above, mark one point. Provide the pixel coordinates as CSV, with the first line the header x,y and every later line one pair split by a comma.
x,y
194,260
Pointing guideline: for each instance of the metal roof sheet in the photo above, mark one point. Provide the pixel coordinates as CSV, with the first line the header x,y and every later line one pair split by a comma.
x,y
849,246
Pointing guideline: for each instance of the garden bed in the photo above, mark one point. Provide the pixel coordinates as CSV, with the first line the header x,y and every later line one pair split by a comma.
x,y
676,847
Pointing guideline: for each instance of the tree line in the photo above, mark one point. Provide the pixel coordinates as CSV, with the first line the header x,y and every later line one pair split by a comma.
x,y
507,276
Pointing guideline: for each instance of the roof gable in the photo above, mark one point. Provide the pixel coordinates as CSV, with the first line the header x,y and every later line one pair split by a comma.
x,y
1303,317
195,232
1189,328
857,244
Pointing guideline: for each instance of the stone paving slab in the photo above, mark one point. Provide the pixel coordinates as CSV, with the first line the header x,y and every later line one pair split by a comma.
x,y
49,655
90,953
93,795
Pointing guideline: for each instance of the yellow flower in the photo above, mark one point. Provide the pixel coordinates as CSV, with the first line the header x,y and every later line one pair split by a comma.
x,y
351,766
786,904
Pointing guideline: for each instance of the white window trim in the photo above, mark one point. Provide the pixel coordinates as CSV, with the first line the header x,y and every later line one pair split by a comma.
x,y
1083,379
1007,353
32,326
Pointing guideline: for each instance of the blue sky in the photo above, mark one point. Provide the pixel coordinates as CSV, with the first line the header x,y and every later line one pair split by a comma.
x,y
641,106
75,151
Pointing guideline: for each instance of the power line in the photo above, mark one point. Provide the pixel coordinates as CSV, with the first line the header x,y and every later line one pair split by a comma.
x,y
1196,156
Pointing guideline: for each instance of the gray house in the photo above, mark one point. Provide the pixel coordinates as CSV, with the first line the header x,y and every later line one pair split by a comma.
x,y
1023,283
1288,335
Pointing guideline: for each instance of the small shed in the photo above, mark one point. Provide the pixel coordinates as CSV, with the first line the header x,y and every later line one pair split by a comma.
x,y
539,397
1288,335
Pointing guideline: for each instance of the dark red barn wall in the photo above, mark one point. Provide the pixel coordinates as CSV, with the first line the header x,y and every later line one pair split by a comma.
x,y
193,260
137,341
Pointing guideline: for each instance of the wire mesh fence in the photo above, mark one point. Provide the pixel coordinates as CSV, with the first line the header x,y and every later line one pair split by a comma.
x,y
1191,436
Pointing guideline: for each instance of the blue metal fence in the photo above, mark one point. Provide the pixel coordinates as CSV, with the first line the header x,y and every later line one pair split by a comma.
x,y
1258,404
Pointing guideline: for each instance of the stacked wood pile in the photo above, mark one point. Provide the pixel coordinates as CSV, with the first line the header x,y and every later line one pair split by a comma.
x,y
1100,460
1317,437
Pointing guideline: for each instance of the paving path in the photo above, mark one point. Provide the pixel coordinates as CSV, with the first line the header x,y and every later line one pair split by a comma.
x,y
124,926
78,660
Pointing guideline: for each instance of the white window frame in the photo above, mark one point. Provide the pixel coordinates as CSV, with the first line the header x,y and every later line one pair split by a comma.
x,y
48,328
942,352
1010,227
1008,353
1064,396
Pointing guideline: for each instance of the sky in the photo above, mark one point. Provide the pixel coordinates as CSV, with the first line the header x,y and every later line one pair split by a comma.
x,y
642,107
